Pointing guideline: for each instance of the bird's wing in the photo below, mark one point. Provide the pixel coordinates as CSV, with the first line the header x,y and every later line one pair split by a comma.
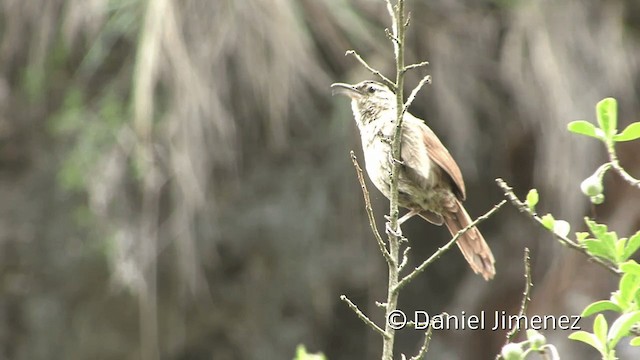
x,y
440,155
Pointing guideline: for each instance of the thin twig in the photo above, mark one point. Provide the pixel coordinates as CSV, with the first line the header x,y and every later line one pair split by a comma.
x,y
375,72
391,36
425,344
526,295
405,258
526,298
369,210
446,247
414,66
615,164
393,10
364,317
414,92
523,208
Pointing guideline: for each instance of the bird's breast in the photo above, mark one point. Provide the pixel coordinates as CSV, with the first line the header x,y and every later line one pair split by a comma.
x,y
419,178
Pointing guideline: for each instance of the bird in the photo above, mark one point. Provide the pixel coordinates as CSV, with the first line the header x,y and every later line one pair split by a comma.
x,y
430,183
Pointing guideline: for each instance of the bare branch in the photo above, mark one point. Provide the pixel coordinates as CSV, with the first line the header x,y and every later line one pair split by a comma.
x,y
369,210
391,36
415,66
615,164
392,13
375,72
425,344
364,317
526,295
414,92
405,258
523,208
446,247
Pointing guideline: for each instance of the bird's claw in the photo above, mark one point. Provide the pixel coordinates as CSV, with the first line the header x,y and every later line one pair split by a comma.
x,y
394,160
393,232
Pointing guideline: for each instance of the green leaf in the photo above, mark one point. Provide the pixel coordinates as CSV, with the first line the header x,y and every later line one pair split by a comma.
x,y
588,338
607,113
600,306
610,239
596,229
635,341
630,266
607,241
583,127
633,244
581,236
600,328
631,132
621,327
302,354
532,199
548,221
629,285
620,246
599,248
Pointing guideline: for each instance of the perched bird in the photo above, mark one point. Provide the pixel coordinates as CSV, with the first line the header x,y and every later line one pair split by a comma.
x,y
430,183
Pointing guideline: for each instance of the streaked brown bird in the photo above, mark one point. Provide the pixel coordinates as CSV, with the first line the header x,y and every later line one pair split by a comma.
x,y
430,183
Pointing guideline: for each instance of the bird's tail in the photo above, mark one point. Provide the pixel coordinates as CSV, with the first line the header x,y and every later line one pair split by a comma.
x,y
471,243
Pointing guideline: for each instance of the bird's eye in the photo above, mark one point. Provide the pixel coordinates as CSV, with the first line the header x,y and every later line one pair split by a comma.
x,y
371,89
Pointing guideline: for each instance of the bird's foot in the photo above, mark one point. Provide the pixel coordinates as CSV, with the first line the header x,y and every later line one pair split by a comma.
x,y
397,233
393,160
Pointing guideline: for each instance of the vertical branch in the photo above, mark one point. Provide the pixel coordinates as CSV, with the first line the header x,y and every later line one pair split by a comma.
x,y
397,15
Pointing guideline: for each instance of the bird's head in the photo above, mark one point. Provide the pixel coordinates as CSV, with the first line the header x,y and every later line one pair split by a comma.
x,y
368,99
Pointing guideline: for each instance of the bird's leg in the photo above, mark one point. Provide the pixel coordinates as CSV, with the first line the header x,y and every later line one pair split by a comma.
x,y
401,220
394,160
408,216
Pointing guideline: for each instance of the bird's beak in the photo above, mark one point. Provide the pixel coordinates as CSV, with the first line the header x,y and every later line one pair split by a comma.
x,y
345,89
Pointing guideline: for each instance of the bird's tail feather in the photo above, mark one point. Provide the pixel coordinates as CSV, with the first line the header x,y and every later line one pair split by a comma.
x,y
471,243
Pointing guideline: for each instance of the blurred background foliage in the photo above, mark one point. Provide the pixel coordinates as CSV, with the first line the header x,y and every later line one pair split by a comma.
x,y
175,180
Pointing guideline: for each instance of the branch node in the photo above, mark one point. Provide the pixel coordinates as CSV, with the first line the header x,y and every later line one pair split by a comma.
x,y
363,317
446,247
615,164
414,92
375,72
